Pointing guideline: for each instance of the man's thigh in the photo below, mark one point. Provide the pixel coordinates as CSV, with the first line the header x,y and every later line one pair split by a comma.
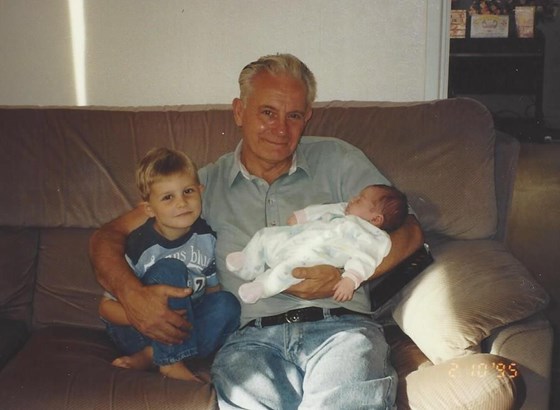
x,y
252,371
346,365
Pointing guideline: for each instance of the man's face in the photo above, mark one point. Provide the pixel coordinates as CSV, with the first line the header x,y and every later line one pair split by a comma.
x,y
272,120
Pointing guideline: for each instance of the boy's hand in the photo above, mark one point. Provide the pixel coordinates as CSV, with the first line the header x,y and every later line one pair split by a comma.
x,y
147,310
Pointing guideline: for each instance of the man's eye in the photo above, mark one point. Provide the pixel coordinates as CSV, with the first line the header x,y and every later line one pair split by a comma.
x,y
296,116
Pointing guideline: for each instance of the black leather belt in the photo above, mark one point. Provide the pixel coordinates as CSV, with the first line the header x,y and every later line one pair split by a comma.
x,y
309,314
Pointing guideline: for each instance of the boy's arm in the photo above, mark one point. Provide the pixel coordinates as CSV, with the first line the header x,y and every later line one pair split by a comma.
x,y
145,306
112,311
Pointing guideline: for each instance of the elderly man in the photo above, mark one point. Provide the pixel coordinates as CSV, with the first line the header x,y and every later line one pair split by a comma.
x,y
299,349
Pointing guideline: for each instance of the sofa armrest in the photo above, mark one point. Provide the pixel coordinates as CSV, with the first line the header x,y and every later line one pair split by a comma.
x,y
14,335
529,343
505,169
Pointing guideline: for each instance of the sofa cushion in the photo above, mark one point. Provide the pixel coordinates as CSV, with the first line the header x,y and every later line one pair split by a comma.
x,y
63,367
14,334
440,153
67,291
472,288
84,159
18,261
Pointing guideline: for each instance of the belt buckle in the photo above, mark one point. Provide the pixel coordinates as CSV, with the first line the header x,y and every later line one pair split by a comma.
x,y
292,316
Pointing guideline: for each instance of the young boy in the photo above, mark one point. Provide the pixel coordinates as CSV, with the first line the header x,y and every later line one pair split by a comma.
x,y
352,235
174,247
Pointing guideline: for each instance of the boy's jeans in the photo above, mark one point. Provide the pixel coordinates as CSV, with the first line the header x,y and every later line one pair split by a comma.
x,y
214,317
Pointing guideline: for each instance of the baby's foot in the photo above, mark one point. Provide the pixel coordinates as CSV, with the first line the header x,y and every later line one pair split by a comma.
x,y
235,261
141,360
179,371
251,292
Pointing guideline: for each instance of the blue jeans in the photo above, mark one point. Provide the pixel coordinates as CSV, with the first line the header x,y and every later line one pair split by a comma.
x,y
213,317
335,363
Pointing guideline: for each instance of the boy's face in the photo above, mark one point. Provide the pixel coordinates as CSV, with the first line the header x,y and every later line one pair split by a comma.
x,y
175,201
363,205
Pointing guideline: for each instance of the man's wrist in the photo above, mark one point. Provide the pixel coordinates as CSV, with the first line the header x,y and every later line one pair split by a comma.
x,y
128,291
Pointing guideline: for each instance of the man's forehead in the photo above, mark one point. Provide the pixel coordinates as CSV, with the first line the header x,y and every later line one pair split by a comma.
x,y
278,88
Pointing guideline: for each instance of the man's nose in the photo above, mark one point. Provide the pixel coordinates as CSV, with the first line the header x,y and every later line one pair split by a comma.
x,y
282,126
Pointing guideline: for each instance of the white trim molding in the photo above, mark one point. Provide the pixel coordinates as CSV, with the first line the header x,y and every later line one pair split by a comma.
x,y
437,49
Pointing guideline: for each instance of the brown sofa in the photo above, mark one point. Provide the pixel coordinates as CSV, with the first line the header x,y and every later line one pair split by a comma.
x,y
468,332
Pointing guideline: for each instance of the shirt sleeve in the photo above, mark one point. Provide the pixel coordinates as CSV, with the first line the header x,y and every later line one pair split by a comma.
x,y
211,275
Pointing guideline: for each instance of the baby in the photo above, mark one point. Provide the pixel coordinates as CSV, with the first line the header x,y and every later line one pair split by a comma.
x,y
351,235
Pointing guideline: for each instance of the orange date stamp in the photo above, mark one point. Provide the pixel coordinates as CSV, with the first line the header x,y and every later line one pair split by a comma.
x,y
481,370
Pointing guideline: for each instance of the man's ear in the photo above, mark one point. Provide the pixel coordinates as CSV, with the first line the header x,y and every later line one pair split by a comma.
x,y
238,108
308,115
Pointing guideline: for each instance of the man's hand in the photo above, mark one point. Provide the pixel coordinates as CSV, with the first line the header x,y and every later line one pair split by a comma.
x,y
318,283
147,310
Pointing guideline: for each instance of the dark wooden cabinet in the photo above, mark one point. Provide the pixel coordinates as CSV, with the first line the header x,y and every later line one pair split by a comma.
x,y
505,66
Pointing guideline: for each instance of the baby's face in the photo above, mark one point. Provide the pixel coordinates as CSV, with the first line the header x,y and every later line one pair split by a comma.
x,y
364,204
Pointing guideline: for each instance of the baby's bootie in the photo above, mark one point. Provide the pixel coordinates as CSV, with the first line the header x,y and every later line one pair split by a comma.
x,y
235,261
251,292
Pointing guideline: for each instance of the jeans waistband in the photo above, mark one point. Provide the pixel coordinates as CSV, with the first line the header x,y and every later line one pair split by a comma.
x,y
309,314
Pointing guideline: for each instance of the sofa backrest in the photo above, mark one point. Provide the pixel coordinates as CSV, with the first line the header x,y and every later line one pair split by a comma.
x,y
75,167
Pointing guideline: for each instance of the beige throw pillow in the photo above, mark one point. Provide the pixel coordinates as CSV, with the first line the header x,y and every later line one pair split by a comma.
x,y
472,288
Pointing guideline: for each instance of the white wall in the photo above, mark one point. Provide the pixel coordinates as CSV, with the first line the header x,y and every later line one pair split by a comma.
x,y
167,52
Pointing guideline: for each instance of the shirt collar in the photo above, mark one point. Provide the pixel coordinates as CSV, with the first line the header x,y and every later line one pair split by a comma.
x,y
298,161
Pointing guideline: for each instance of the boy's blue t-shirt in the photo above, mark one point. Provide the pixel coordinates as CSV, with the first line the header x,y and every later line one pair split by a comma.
x,y
145,246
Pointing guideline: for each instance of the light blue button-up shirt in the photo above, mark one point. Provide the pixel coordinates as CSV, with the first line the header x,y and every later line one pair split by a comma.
x,y
236,204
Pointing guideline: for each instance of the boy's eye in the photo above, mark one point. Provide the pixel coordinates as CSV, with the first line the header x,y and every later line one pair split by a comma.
x,y
189,191
166,197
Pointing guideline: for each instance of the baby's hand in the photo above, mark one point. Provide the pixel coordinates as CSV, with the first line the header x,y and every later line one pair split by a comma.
x,y
292,220
344,290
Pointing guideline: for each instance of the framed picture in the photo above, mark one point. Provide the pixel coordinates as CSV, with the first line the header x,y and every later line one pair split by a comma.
x,y
458,23
489,26
525,21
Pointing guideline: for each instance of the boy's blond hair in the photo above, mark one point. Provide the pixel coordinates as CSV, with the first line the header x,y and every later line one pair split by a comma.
x,y
162,162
